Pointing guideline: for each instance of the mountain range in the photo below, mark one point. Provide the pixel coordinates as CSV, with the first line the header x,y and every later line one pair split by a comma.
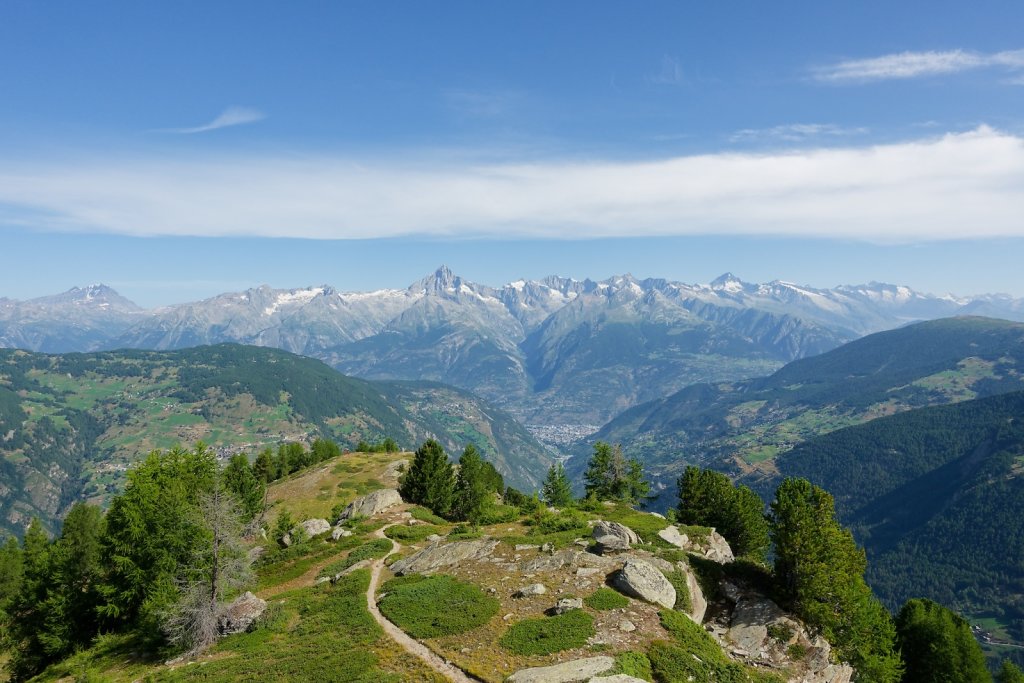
x,y
556,351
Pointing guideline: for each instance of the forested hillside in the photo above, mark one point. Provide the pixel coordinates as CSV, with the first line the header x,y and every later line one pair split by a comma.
x,y
71,424
744,426
936,496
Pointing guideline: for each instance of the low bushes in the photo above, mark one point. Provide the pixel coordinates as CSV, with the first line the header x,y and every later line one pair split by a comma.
x,y
605,598
427,607
545,635
379,547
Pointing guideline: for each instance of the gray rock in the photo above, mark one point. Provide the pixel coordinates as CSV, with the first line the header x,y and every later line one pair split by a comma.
x,y
748,628
433,538
671,535
372,504
520,547
641,579
698,603
241,614
717,549
567,557
576,671
613,537
617,678
339,532
255,553
436,556
532,589
313,527
567,605
627,626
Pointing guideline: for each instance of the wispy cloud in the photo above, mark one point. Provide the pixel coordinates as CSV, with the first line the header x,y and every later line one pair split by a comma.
x,y
795,132
232,116
952,186
904,65
482,103
671,72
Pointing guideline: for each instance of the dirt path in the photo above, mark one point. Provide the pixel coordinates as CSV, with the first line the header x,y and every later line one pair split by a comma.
x,y
408,644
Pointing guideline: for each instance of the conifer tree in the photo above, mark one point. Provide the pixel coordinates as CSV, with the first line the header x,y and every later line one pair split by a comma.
x,y
263,467
240,480
556,491
1009,673
430,480
610,476
937,645
471,489
709,498
820,573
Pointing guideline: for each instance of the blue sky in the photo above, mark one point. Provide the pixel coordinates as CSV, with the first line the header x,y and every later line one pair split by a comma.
x,y
178,150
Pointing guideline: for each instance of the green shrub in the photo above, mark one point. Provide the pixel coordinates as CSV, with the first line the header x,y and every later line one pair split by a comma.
x,y
567,520
780,632
677,578
411,533
379,547
635,664
545,635
605,598
693,655
436,606
425,515
498,514
796,652
464,532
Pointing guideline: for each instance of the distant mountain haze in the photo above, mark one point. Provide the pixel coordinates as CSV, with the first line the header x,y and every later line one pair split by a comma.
x,y
551,351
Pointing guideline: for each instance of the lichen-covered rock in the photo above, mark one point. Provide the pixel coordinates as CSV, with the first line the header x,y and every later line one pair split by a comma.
x,y
371,504
532,589
717,549
698,603
313,527
240,614
671,535
640,579
576,671
436,556
567,605
613,537
567,557
339,532
617,678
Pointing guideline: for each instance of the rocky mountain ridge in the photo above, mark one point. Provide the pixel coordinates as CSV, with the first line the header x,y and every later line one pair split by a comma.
x,y
551,351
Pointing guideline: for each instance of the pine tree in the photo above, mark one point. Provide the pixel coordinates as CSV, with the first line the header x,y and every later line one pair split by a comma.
x,y
263,468
709,498
240,480
610,476
937,645
471,490
556,491
1009,673
820,573
430,480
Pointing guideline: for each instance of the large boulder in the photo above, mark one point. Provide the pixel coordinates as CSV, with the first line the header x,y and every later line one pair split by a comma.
x,y
717,549
671,535
576,671
313,527
371,504
613,537
436,556
240,614
640,579
698,603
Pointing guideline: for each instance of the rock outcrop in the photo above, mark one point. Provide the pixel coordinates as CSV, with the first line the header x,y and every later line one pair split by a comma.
x,y
640,579
576,671
436,556
613,537
371,504
758,631
310,527
240,614
567,605
671,535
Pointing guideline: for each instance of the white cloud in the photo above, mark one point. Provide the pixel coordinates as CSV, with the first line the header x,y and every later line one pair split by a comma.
x,y
232,116
959,185
795,132
671,72
916,64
